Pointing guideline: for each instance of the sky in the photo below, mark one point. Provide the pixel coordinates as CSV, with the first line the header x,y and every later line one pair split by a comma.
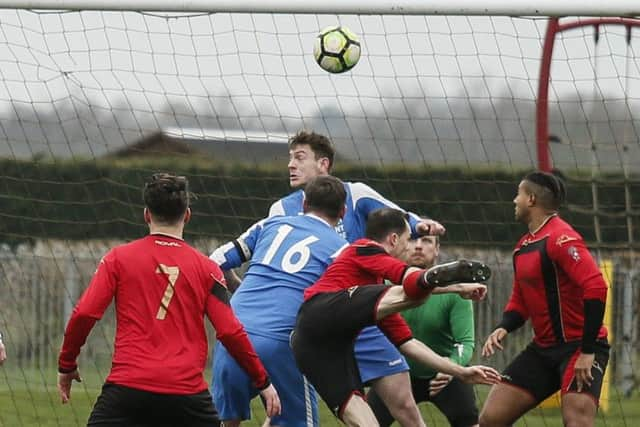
x,y
427,90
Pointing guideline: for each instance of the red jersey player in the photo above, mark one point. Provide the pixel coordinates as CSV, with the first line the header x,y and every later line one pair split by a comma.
x,y
351,295
558,286
163,288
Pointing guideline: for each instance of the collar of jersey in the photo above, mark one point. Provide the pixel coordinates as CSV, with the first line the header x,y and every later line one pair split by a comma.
x,y
165,235
319,219
545,222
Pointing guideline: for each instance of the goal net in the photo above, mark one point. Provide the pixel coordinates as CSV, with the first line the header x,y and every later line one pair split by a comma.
x,y
439,115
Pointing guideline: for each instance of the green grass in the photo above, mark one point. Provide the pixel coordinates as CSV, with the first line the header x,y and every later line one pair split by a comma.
x,y
29,398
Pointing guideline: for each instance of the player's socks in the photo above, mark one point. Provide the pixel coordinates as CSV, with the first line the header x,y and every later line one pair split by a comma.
x,y
460,271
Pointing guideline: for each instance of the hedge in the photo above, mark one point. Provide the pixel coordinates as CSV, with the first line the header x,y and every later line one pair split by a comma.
x,y
102,200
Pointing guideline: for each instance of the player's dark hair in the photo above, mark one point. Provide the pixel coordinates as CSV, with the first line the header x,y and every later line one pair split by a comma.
x,y
549,189
167,197
385,221
325,194
319,144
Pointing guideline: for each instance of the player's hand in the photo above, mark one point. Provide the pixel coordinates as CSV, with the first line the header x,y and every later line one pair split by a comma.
x,y
3,353
439,382
480,375
472,291
582,370
493,342
64,384
430,227
271,401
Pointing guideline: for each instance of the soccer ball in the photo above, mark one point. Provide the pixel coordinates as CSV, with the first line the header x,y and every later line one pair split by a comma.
x,y
336,49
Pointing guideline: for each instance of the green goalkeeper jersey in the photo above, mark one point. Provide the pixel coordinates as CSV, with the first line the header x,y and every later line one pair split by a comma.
x,y
444,323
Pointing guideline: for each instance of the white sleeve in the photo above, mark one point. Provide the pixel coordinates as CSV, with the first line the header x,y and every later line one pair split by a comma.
x,y
276,209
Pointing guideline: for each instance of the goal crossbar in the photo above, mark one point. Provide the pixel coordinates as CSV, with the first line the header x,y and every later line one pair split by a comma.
x,y
628,8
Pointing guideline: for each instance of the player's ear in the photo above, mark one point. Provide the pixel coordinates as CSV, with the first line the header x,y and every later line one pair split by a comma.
x,y
147,216
187,215
325,164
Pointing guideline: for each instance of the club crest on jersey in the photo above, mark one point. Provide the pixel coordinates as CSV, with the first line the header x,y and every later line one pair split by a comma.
x,y
573,252
564,239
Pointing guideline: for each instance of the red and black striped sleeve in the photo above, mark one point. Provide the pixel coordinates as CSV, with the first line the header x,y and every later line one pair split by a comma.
x,y
515,312
571,254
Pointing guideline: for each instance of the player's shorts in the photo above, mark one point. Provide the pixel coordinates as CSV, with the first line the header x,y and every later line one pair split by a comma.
x,y
323,341
542,371
456,401
377,357
233,390
119,406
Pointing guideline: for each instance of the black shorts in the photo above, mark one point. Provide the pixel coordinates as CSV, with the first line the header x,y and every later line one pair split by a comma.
x,y
124,406
456,401
544,370
323,341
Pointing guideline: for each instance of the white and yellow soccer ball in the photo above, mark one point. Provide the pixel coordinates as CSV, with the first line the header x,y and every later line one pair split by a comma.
x,y
336,49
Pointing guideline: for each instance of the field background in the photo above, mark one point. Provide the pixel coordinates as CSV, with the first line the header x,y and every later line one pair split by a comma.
x,y
28,399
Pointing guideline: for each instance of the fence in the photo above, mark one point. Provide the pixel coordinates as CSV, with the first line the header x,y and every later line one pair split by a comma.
x,y
41,283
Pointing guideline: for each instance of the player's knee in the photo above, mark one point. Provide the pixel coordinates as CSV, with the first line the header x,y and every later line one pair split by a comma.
x,y
578,417
406,410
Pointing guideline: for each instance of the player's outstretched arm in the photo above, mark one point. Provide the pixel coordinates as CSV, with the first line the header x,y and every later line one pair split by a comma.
x,y
479,374
271,400
494,342
421,353
472,291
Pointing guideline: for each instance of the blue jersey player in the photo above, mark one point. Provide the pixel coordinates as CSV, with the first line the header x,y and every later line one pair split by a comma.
x,y
286,255
381,364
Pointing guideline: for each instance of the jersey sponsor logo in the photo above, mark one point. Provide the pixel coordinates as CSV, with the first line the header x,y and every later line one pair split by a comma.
x,y
573,252
163,243
564,239
395,362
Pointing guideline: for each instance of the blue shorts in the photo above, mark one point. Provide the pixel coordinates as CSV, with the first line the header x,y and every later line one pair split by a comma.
x,y
233,391
376,356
